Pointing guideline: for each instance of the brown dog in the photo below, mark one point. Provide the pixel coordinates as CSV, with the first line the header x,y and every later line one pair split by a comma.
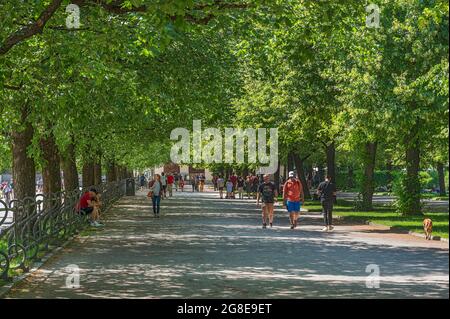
x,y
428,228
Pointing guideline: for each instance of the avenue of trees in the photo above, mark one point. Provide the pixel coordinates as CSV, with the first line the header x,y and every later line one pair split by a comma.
x,y
347,97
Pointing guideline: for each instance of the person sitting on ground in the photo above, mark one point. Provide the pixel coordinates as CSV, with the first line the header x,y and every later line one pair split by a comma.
x,y
89,205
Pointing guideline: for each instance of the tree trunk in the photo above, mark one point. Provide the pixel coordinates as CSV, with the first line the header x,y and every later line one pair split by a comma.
x,y
69,166
290,166
370,151
351,177
88,174
98,171
390,177
24,170
111,175
301,175
321,173
411,193
331,161
51,169
245,172
276,177
441,173
121,172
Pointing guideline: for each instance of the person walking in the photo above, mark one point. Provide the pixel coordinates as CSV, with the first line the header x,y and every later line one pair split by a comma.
x,y
214,181
230,189
202,179
192,181
234,180
142,181
240,187
220,186
163,180
267,193
293,197
248,186
181,183
255,185
156,192
327,194
7,190
177,181
170,182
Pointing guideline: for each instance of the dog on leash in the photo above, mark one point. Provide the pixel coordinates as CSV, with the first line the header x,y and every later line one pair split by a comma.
x,y
428,228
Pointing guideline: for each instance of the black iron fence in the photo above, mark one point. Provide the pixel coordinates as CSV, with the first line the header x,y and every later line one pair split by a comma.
x,y
34,226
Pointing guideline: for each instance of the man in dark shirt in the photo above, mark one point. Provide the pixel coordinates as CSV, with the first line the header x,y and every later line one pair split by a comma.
x,y
327,194
267,192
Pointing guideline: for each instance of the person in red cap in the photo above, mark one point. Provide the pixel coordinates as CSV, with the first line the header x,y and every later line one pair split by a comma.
x,y
293,197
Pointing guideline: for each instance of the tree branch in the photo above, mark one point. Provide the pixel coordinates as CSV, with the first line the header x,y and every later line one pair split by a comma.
x,y
31,29
114,7
13,87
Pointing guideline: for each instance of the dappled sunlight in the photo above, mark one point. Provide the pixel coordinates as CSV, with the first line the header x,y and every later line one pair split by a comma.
x,y
211,254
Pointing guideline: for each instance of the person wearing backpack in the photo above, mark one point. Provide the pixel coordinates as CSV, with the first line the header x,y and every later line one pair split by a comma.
x,y
327,194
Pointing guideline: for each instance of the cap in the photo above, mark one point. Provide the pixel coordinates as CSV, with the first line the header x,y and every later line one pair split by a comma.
x,y
291,174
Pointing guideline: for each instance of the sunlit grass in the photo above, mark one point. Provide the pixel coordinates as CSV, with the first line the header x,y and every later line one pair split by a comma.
x,y
385,215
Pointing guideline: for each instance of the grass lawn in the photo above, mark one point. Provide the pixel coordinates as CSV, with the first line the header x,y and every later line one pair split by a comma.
x,y
385,215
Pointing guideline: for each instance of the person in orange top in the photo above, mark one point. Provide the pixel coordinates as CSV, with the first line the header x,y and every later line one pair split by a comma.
x,y
293,197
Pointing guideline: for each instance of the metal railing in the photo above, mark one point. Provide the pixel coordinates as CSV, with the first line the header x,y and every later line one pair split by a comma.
x,y
34,226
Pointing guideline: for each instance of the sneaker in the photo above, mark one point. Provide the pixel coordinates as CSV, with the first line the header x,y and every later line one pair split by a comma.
x,y
292,226
271,225
264,226
96,224
330,228
325,228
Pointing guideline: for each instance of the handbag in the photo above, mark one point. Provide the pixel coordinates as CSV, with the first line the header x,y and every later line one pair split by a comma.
x,y
150,194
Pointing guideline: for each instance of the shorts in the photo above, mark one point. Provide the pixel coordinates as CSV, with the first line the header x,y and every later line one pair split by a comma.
x,y
86,211
293,206
220,188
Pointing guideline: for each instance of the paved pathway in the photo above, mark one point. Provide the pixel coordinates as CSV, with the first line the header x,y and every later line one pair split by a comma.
x,y
203,247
